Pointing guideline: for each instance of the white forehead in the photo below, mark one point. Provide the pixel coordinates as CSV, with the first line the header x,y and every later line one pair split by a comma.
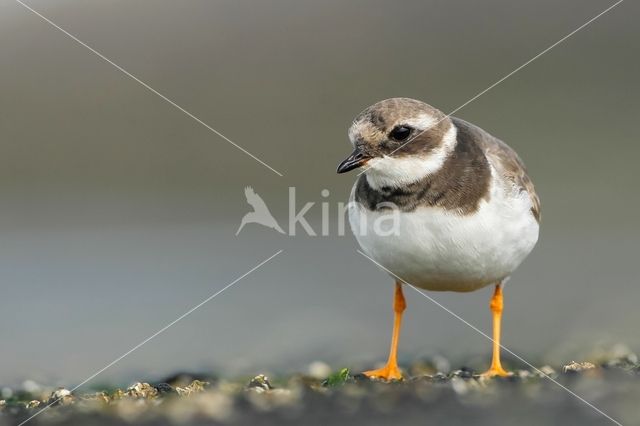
x,y
364,128
422,121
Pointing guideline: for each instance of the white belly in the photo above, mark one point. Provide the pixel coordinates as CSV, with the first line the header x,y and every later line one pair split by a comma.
x,y
440,250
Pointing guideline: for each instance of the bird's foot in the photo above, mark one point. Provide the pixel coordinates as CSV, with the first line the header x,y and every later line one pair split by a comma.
x,y
496,371
388,372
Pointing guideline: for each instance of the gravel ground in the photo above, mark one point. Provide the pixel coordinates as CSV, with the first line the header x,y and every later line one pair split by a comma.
x,y
320,397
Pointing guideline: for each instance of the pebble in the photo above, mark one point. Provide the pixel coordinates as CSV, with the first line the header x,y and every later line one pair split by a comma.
x,y
183,379
97,396
616,356
547,370
141,390
194,387
576,367
165,389
463,373
33,404
260,383
241,402
522,374
61,396
439,377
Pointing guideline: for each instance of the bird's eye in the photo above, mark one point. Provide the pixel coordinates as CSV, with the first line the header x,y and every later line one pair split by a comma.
x,y
400,133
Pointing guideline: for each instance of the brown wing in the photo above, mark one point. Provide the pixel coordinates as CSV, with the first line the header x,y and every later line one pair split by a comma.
x,y
505,160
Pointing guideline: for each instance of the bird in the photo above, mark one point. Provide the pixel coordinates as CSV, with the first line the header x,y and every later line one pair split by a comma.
x,y
260,213
467,211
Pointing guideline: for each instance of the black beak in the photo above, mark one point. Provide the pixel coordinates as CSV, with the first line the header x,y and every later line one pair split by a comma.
x,y
355,160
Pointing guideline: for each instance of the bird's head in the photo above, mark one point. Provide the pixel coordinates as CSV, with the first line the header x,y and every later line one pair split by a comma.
x,y
399,140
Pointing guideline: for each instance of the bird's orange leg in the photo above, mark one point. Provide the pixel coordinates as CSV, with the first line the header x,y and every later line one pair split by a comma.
x,y
391,370
496,306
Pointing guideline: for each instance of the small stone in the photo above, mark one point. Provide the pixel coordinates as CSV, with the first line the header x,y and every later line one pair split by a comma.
x,y
194,387
576,367
184,379
546,370
434,378
97,396
118,394
33,404
61,396
463,373
439,377
618,356
615,356
165,389
260,383
522,374
141,390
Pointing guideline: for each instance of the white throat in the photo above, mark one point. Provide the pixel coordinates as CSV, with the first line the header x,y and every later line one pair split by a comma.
x,y
395,172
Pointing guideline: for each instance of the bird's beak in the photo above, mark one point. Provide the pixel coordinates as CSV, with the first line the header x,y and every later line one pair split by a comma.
x,y
355,160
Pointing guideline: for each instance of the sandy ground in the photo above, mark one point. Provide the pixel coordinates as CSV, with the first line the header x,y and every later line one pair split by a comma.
x,y
609,387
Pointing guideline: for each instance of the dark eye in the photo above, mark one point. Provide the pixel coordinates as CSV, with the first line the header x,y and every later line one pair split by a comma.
x,y
400,133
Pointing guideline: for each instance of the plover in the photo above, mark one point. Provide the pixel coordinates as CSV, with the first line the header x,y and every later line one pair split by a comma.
x,y
468,213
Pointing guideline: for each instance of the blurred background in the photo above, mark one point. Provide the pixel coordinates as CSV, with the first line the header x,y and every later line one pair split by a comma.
x,y
119,212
